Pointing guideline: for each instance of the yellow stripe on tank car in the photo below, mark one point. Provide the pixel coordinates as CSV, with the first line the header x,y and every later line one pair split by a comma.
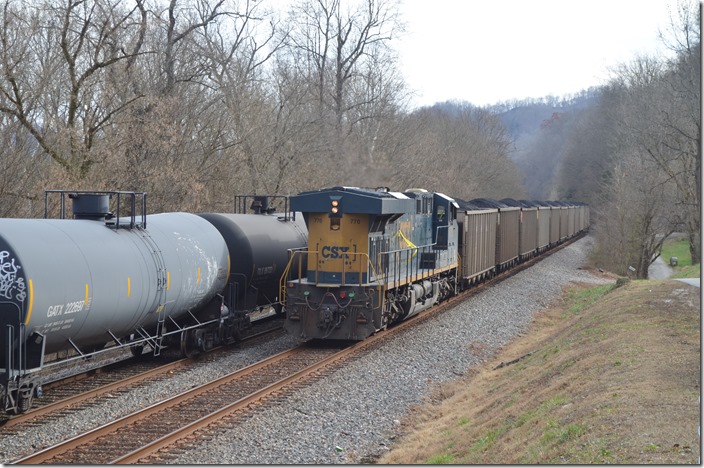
x,y
31,302
198,275
85,302
228,267
129,287
168,280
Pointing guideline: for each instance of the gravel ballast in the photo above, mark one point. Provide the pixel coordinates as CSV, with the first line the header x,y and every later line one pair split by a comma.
x,y
355,411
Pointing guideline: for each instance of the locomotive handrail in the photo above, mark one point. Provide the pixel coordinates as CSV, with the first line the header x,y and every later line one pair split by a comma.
x,y
285,275
413,273
371,272
301,251
390,272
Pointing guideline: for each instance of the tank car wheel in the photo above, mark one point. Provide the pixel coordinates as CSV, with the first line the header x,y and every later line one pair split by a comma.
x,y
189,344
137,350
24,398
25,403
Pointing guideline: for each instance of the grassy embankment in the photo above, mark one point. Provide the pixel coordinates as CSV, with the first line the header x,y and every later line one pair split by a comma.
x,y
608,375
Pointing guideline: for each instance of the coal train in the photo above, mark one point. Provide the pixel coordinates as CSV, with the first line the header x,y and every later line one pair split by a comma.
x,y
339,263
376,257
121,278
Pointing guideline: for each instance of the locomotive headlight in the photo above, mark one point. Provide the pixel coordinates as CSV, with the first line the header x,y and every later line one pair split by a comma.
x,y
335,207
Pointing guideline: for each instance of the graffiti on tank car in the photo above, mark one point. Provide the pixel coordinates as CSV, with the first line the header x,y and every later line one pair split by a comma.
x,y
335,251
12,286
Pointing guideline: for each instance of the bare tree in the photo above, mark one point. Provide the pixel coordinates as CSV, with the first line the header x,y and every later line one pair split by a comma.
x,y
175,143
239,51
340,45
654,172
679,154
53,61
23,170
661,118
635,216
459,150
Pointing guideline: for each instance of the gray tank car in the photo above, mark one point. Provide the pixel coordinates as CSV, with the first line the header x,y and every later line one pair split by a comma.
x,y
102,280
87,282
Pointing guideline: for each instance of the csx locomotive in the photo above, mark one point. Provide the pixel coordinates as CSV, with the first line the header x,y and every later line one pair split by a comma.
x,y
104,280
376,257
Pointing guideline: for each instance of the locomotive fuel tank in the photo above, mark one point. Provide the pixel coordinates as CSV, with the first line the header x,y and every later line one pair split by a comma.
x,y
258,246
78,283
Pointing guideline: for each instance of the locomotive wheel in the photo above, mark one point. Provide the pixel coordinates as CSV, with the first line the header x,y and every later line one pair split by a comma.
x,y
189,344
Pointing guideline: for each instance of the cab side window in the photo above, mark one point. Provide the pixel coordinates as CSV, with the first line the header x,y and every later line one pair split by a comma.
x,y
441,214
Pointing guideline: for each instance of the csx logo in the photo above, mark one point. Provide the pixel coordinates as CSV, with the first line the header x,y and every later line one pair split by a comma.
x,y
334,251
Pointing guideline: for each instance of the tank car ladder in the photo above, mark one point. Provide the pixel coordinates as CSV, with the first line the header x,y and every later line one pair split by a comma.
x,y
161,290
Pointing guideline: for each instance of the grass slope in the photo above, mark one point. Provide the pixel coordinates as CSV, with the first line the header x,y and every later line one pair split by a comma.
x,y
608,375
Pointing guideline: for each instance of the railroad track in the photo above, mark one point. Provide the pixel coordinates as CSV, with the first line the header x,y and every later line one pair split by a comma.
x,y
86,388
137,435
153,435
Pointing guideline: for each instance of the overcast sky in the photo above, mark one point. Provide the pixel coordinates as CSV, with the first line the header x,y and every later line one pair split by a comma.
x,y
487,51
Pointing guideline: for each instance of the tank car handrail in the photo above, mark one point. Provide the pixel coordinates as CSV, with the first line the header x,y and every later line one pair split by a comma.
x,y
260,205
145,337
113,217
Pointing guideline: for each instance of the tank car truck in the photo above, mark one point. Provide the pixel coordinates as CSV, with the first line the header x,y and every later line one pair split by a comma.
x,y
374,257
